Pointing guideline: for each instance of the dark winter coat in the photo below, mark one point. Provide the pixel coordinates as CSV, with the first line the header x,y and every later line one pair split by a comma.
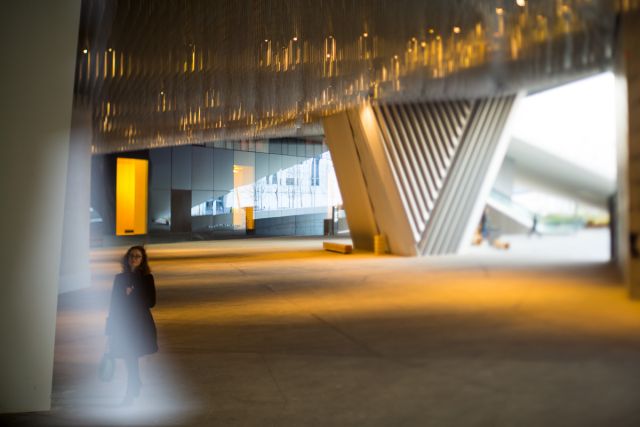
x,y
130,326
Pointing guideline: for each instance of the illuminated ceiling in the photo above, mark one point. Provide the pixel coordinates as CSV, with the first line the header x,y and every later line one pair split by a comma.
x,y
162,73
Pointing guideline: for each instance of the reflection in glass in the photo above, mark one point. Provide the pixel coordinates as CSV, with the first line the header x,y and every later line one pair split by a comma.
x,y
244,193
272,185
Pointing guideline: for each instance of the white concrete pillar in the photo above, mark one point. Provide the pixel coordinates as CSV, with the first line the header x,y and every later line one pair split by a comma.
x,y
354,188
74,263
38,43
628,116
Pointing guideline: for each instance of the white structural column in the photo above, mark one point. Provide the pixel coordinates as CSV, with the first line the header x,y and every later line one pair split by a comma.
x,y
418,173
472,173
353,186
628,116
39,42
74,262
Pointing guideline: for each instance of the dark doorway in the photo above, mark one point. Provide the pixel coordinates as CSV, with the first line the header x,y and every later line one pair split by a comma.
x,y
181,211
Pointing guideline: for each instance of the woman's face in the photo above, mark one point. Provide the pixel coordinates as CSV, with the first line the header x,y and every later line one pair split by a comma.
x,y
135,259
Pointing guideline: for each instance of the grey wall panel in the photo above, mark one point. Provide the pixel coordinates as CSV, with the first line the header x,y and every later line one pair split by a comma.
x,y
301,149
159,210
160,169
275,163
223,222
275,146
309,149
292,148
222,169
202,168
262,146
244,158
181,168
298,225
202,223
276,226
262,165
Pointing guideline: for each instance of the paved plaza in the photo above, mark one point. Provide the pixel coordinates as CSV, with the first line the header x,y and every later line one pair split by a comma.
x,y
277,332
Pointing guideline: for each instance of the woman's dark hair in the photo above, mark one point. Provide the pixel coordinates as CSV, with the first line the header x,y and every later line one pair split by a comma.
x,y
144,264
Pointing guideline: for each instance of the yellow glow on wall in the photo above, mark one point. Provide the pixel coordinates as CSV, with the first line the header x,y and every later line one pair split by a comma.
x,y
131,196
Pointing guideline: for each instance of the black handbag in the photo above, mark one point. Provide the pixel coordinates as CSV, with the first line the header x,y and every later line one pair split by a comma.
x,y
107,366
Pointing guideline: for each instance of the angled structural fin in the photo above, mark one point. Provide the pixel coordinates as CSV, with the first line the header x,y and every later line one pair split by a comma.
x,y
418,173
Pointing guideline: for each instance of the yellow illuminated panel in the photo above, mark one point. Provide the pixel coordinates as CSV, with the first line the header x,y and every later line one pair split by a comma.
x,y
131,196
249,218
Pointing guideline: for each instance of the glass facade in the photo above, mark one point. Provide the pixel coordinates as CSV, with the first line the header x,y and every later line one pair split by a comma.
x,y
235,182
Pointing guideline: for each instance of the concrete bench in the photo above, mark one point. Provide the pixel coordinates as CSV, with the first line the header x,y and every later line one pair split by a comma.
x,y
343,248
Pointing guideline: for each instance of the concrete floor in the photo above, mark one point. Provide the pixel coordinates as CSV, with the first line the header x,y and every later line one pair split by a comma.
x,y
276,332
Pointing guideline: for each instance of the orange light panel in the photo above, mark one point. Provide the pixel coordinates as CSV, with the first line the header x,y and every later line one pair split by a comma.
x,y
131,196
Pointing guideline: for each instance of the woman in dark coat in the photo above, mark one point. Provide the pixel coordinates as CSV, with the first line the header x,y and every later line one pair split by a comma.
x,y
130,326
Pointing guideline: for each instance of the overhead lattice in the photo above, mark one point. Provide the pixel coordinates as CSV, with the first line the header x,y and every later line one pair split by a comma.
x,y
181,72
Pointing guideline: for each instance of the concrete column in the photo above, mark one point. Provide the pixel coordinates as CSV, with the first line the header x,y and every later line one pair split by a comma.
x,y
353,186
74,263
628,116
39,42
